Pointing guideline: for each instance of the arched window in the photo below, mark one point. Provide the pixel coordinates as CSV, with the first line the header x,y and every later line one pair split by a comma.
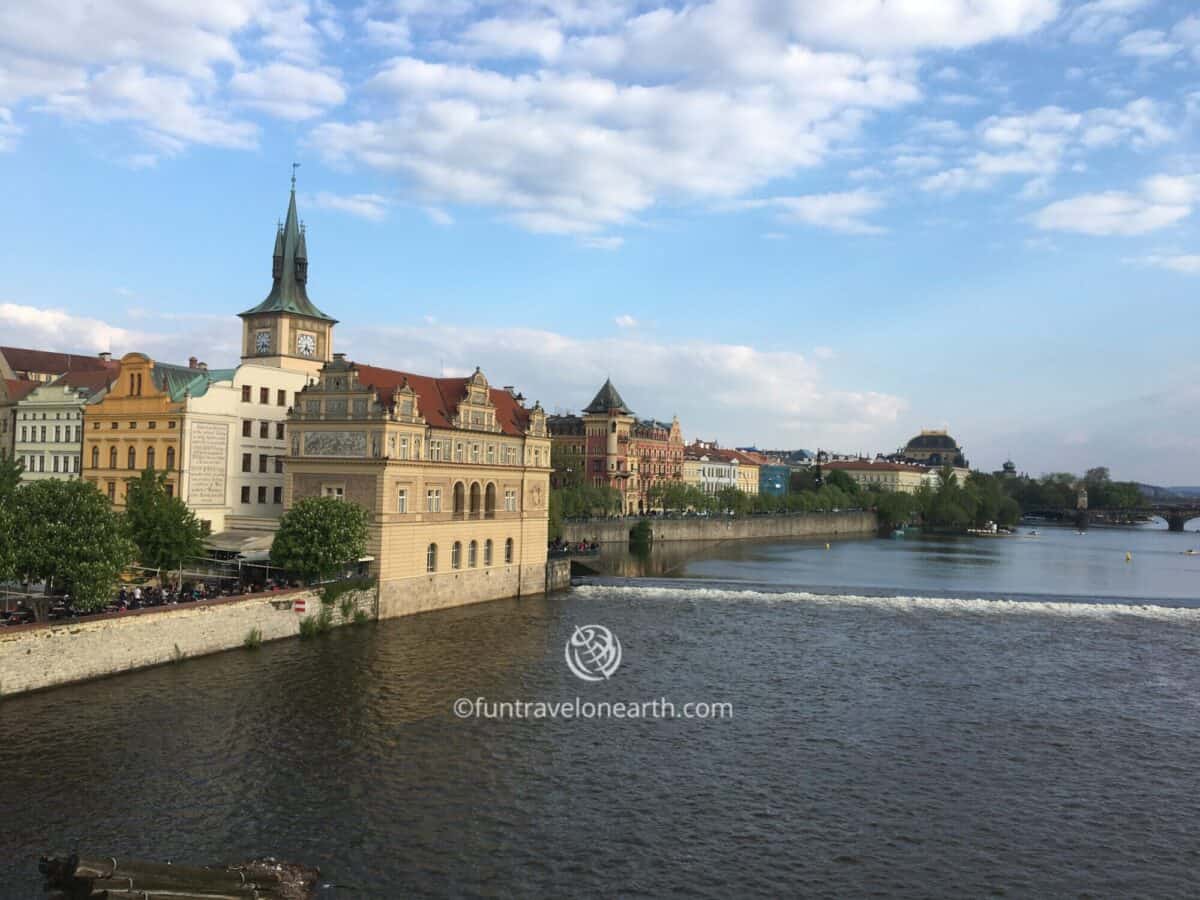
x,y
456,555
431,558
614,427
170,457
475,499
95,457
460,498
487,552
489,501
508,550
132,458
112,457
149,457
472,554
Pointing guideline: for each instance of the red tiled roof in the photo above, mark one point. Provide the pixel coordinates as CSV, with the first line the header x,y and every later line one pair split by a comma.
x,y
22,359
438,397
93,381
19,389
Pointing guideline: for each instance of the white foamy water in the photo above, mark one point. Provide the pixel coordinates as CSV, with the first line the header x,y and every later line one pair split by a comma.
x,y
950,605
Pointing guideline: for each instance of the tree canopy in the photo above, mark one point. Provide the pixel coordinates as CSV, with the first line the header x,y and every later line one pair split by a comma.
x,y
67,535
162,528
319,536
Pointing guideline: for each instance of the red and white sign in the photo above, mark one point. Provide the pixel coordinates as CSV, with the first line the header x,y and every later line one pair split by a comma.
x,y
298,605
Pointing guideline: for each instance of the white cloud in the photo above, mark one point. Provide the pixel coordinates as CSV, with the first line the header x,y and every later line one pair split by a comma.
x,y
165,105
288,91
842,212
366,206
626,321
501,38
738,393
603,241
1185,263
1043,142
439,216
9,130
1148,44
1102,20
1162,201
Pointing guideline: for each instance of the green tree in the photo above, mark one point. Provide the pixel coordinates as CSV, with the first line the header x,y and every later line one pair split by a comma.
x,y
11,470
895,508
320,535
842,481
162,528
568,466
67,535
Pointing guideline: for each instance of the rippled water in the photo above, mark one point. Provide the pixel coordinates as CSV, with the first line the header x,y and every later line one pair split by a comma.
x,y
911,746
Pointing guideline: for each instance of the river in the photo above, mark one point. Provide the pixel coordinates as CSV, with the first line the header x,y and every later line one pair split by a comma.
x,y
917,717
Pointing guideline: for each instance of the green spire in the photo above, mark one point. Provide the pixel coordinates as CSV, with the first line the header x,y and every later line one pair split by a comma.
x,y
290,270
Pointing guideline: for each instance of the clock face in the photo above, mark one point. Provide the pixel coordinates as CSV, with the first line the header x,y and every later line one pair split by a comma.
x,y
306,344
262,342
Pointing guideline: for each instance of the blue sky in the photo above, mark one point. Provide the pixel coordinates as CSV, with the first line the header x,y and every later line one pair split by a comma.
x,y
793,224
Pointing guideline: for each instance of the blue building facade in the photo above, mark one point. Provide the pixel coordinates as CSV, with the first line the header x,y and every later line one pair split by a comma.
x,y
774,480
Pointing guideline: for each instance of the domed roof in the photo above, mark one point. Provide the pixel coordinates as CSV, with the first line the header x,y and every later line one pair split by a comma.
x,y
932,440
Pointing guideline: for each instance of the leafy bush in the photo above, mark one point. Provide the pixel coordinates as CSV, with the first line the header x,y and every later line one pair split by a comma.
x,y
253,639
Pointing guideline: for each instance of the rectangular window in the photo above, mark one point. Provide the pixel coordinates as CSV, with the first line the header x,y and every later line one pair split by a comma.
x,y
264,430
245,493
474,453
433,500
281,397
58,434
279,436
336,491
246,393
458,452
43,433
24,438
402,501
404,448
247,428
170,489
171,424
56,464
510,501
278,495
491,454
262,462
262,494
246,462
112,492
264,395
151,425
278,465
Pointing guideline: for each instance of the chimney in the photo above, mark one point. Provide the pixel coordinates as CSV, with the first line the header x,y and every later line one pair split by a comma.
x,y
192,362
106,356
202,366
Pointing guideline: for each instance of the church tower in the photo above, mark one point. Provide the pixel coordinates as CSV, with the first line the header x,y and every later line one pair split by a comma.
x,y
286,329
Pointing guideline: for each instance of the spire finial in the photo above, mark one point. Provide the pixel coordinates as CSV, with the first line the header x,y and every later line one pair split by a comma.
x,y
295,166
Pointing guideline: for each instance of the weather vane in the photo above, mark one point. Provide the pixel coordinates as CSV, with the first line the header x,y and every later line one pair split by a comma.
x,y
295,166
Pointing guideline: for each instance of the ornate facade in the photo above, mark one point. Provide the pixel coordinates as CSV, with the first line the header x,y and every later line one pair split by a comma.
x,y
617,449
454,474
49,423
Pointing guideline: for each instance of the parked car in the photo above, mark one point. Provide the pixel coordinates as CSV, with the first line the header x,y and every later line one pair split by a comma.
x,y
20,617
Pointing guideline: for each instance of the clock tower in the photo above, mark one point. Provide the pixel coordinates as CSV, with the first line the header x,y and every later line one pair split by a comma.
x,y
286,329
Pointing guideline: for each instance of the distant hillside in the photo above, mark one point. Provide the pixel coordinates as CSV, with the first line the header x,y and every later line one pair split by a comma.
x,y
1193,491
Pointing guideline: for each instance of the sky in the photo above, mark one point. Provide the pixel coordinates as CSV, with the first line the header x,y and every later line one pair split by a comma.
x,y
792,223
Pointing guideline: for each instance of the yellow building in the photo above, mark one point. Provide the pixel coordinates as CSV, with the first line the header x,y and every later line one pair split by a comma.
x,y
454,474
139,424
878,475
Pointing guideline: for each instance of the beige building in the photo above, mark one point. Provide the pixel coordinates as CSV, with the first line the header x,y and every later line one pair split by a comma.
x,y
878,475
454,474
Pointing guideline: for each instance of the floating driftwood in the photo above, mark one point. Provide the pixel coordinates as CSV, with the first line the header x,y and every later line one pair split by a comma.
x,y
74,877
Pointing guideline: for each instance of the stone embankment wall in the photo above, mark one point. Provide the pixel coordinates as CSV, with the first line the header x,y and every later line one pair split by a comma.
x,y
724,528
33,657
40,656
